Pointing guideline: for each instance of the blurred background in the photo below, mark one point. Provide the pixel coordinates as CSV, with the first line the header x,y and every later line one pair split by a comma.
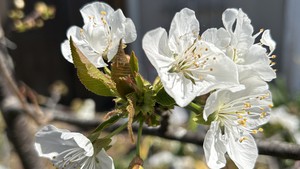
x,y
38,62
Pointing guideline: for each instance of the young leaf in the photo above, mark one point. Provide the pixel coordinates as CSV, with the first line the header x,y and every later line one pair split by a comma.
x,y
134,66
92,78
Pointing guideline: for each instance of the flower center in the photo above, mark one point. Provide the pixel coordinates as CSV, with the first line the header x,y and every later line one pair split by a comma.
x,y
192,63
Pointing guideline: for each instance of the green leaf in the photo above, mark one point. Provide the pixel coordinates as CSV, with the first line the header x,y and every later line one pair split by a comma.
x,y
92,78
134,65
163,98
96,133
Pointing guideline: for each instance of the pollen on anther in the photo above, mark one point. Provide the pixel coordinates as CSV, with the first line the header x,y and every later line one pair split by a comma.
x,y
247,105
260,129
103,13
263,115
270,105
242,139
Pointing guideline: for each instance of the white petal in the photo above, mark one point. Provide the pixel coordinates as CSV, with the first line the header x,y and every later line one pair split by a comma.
x,y
219,37
130,31
156,48
105,161
184,30
256,63
66,50
93,10
214,148
229,17
214,101
244,153
178,87
97,37
77,35
267,40
51,141
221,71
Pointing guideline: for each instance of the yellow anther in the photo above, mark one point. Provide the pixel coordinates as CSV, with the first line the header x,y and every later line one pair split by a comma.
x,y
243,122
273,63
103,13
104,21
242,139
261,108
247,105
273,56
248,113
260,129
240,116
263,115
254,131
261,30
270,105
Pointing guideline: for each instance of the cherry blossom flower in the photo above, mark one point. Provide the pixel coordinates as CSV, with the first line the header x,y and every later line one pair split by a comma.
x,y
187,66
235,116
238,43
68,150
101,33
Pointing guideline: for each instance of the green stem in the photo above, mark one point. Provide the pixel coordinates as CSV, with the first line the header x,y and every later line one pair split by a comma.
x,y
118,130
194,108
96,133
139,138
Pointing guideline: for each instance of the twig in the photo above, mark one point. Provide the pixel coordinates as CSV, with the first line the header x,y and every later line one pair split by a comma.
x,y
272,148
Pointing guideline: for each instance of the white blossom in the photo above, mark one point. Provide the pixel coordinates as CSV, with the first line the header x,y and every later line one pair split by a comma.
x,y
101,33
235,116
188,67
237,41
68,150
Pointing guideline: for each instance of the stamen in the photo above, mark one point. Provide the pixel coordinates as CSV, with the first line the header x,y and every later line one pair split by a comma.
x,y
243,139
247,105
103,13
263,115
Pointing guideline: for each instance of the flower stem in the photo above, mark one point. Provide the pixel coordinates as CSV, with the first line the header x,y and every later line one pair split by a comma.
x,y
194,108
139,138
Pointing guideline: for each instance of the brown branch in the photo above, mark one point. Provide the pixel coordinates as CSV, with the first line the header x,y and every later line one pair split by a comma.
x,y
265,147
17,127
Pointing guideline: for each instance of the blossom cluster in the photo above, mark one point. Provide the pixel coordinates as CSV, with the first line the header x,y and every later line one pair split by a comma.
x,y
231,65
227,64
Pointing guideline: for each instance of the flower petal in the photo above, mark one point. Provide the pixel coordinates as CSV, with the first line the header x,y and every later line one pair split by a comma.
x,y
214,148
184,30
178,87
156,48
219,37
257,63
51,141
92,11
243,153
105,161
267,40
229,17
